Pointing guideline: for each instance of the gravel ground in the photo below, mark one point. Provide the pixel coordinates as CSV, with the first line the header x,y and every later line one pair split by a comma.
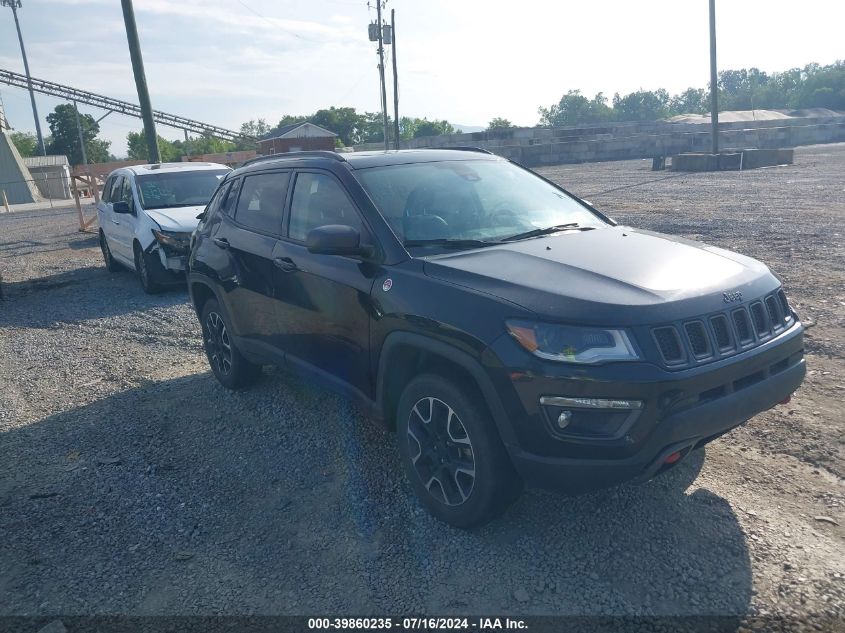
x,y
131,483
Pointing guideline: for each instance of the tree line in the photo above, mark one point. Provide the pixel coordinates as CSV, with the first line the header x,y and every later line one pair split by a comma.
x,y
813,86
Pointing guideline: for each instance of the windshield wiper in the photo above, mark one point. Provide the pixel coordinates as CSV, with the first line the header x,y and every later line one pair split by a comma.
x,y
447,242
546,231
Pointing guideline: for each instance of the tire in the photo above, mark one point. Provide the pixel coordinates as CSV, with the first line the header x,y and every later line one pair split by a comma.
x,y
231,369
111,262
474,480
146,268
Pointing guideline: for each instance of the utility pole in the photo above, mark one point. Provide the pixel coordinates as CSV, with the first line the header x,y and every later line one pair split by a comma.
x,y
714,80
381,74
140,80
81,137
395,80
15,5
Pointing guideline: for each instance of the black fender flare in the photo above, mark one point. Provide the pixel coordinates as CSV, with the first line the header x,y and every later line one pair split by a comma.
x,y
195,278
454,355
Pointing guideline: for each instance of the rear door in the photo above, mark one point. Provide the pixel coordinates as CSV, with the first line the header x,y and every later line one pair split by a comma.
x,y
250,227
324,302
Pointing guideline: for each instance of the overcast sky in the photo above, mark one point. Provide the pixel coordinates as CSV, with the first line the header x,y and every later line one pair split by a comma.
x,y
226,61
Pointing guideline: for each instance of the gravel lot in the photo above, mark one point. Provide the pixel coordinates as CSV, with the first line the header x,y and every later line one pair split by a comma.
x,y
131,483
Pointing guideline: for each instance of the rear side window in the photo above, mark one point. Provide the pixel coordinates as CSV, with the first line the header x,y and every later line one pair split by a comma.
x,y
318,199
262,201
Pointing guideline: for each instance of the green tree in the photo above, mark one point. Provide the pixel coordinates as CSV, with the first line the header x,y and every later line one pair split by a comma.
x,y
255,128
642,105
822,87
574,108
425,127
690,101
25,142
205,144
137,148
498,123
65,139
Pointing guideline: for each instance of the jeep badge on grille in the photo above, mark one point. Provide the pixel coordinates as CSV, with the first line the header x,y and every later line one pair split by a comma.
x,y
730,297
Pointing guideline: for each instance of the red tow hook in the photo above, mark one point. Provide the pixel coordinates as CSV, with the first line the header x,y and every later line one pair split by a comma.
x,y
672,458
786,400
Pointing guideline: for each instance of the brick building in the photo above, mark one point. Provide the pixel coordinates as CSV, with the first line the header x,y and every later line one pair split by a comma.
x,y
297,137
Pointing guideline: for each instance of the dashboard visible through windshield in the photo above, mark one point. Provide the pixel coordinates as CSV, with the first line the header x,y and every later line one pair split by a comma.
x,y
178,189
481,200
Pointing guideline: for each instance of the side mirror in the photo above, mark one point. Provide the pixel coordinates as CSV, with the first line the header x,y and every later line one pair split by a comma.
x,y
336,239
121,207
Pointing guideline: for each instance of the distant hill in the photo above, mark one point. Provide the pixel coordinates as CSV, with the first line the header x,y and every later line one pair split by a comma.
x,y
469,128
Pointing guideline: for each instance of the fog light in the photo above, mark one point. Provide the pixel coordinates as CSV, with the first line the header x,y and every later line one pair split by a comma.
x,y
564,419
590,418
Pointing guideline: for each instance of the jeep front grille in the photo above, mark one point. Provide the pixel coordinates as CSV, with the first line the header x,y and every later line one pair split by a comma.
x,y
669,344
722,330
697,337
743,327
723,334
761,323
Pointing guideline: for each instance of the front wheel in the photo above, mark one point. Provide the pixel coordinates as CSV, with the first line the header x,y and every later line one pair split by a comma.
x,y
452,453
108,259
228,364
144,267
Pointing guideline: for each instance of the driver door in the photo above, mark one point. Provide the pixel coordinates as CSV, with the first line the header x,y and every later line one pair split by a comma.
x,y
323,301
123,224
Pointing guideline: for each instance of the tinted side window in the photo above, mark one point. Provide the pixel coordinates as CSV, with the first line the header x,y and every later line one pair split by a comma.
x,y
227,205
318,199
262,201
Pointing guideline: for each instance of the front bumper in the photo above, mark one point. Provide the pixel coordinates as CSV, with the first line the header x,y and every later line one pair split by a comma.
x,y
682,410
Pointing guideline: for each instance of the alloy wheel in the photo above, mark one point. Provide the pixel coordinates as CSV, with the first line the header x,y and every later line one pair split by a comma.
x,y
441,451
217,343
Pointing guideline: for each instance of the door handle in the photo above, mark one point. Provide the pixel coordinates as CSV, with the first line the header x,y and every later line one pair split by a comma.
x,y
285,264
115,221
222,242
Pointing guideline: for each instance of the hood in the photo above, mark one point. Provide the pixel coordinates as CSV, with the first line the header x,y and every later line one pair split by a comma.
x,y
183,219
610,276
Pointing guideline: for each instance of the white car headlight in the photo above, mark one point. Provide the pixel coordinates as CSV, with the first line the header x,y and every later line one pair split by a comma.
x,y
573,344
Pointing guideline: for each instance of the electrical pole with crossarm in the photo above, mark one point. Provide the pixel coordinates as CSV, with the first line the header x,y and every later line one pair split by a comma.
x,y
15,5
381,75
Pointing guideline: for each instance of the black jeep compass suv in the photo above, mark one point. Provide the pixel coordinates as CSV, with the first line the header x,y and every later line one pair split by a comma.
x,y
507,331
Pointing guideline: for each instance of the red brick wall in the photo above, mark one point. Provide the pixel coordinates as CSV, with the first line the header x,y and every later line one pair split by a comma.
x,y
283,145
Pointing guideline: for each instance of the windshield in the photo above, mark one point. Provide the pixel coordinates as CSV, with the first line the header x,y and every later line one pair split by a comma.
x,y
178,188
485,200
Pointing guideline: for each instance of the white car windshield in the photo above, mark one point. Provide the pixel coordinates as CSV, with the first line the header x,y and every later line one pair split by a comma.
x,y
483,200
179,188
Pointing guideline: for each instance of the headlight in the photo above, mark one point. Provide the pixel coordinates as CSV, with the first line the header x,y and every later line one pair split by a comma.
x,y
573,344
180,242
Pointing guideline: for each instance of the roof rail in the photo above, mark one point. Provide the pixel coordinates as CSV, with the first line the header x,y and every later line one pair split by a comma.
x,y
466,148
314,153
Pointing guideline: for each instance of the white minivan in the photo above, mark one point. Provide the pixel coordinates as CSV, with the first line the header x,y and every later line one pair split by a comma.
x,y
147,214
